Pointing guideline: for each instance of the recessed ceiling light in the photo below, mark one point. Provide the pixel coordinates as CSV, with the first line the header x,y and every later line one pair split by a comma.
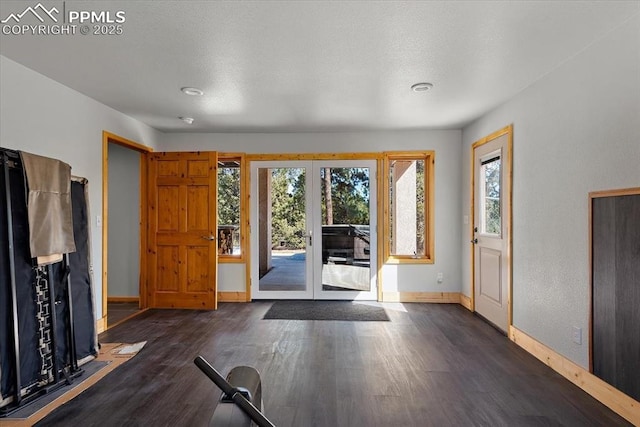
x,y
193,91
187,120
421,87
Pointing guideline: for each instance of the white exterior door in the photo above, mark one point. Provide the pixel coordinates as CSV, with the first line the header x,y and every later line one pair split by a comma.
x,y
281,264
491,228
345,254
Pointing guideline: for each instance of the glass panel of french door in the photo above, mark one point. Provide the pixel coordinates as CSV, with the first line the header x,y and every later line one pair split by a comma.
x,y
281,230
345,221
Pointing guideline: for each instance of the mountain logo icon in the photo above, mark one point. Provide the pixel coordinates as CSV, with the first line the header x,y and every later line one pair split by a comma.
x,y
38,11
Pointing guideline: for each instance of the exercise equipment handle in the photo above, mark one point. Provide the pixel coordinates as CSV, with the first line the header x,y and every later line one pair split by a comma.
x,y
246,406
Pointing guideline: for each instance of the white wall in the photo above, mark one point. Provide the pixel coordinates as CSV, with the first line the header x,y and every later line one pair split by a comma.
x,y
44,117
576,130
124,222
446,144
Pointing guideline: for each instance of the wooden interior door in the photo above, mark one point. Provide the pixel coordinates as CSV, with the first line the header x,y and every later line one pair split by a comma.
x,y
182,230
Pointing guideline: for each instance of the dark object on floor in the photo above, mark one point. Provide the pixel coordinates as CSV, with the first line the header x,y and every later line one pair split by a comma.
x,y
327,310
241,401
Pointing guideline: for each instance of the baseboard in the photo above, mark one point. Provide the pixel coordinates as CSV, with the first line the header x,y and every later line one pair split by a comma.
x,y
608,395
232,296
465,301
123,299
101,325
437,297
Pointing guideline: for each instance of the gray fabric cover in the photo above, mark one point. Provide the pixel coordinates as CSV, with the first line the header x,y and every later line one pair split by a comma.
x,y
49,205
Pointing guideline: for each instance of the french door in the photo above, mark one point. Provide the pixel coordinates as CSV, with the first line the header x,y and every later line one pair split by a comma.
x,y
313,229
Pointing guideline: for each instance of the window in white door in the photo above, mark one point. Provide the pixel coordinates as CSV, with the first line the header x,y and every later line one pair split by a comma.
x,y
490,194
346,249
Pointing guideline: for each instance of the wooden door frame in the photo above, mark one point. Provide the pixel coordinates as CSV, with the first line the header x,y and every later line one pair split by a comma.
x,y
507,130
107,138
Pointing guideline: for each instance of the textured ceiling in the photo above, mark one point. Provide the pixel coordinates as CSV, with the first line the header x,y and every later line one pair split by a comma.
x,y
313,66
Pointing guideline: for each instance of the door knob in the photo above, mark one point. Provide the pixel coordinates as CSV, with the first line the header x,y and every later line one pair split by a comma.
x,y
210,238
474,241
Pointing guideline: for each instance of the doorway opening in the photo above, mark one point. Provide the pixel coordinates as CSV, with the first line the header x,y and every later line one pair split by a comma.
x,y
123,229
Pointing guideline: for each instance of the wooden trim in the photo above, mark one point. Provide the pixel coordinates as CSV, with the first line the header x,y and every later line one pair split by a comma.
x,y
107,138
432,297
465,301
613,193
117,299
101,324
471,232
381,215
247,227
105,223
429,188
313,156
408,259
507,130
244,210
430,212
230,155
213,212
590,247
151,235
144,232
510,225
116,139
230,259
609,396
497,134
230,296
129,317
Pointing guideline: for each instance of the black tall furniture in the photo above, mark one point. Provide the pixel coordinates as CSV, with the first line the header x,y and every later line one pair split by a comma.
x,y
615,262
47,320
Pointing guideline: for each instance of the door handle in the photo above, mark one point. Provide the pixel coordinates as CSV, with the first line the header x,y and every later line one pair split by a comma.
x,y
209,238
474,241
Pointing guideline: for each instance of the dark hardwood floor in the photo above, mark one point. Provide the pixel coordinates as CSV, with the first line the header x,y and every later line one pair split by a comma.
x,y
431,365
117,311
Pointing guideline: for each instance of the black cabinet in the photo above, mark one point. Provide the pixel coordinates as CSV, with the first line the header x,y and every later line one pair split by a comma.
x,y
615,260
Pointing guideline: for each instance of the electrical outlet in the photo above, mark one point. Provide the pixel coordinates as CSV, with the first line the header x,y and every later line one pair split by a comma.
x,y
577,335
440,277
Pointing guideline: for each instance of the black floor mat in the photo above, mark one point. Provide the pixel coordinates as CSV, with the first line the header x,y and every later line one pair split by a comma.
x,y
327,310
